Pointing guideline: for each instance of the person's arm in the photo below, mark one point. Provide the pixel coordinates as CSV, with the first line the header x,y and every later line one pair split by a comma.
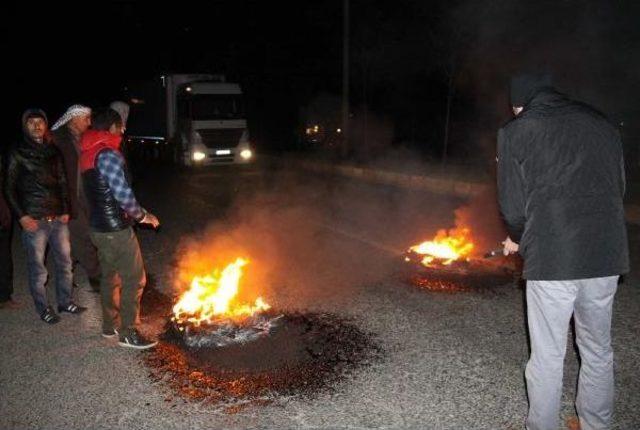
x,y
10,186
511,190
5,212
111,167
623,180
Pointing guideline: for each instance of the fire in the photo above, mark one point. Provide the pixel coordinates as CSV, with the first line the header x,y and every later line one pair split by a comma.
x,y
213,297
446,247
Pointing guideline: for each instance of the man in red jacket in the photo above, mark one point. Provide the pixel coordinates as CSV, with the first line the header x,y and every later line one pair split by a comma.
x,y
113,210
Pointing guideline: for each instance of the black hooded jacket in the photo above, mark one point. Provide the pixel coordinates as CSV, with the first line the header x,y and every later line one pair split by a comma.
x,y
561,185
35,181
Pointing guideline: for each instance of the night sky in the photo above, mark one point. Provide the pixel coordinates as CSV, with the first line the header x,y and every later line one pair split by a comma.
x,y
287,54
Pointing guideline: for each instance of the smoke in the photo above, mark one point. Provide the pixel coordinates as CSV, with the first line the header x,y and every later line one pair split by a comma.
x,y
317,241
309,245
589,46
482,217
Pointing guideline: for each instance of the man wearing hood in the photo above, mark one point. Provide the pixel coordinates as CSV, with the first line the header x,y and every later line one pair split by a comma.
x,y
36,191
66,133
561,185
113,210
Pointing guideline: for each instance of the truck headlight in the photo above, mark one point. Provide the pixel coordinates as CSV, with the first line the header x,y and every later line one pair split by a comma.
x,y
198,156
246,154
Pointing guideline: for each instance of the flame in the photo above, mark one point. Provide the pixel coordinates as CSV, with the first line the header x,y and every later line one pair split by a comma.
x,y
213,297
446,247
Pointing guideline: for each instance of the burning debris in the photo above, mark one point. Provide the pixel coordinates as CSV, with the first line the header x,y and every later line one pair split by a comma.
x,y
444,249
209,314
305,354
218,349
450,263
225,332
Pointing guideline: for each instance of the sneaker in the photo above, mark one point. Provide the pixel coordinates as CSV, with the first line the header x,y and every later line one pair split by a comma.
x,y
133,339
110,334
49,316
72,308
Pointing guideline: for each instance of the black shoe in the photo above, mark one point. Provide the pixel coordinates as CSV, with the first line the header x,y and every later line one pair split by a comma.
x,y
110,334
49,316
72,308
133,339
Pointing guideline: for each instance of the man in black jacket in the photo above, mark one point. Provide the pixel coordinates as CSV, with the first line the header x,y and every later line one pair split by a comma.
x,y
66,133
37,194
561,185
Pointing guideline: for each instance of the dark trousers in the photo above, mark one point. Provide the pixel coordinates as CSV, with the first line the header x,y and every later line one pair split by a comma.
x,y
123,278
6,264
82,249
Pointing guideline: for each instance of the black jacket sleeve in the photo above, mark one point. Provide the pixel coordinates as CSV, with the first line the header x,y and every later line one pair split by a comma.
x,y
5,212
511,190
10,187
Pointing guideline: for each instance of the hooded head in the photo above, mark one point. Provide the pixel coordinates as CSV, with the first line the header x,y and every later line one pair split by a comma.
x,y
77,116
525,86
34,125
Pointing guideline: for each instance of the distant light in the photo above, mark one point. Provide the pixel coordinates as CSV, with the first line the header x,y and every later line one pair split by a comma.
x,y
136,101
246,154
198,156
188,89
142,141
339,130
316,128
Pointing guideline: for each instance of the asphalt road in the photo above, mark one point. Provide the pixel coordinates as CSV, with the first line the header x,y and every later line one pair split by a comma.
x,y
452,361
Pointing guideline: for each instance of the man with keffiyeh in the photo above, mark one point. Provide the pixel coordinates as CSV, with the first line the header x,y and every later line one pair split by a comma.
x,y
66,133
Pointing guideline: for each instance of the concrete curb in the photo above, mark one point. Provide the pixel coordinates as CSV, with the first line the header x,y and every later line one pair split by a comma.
x,y
431,183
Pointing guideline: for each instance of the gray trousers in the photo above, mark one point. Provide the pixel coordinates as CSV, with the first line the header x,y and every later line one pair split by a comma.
x,y
123,279
550,305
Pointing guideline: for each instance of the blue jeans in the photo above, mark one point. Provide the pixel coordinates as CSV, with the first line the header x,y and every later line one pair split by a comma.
x,y
56,235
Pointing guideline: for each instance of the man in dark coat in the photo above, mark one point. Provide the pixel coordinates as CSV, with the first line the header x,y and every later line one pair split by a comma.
x,y
36,190
561,185
66,133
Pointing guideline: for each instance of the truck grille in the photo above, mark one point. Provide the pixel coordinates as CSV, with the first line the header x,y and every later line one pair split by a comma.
x,y
221,138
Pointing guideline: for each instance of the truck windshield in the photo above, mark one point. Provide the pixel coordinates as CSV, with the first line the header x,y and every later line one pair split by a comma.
x,y
216,106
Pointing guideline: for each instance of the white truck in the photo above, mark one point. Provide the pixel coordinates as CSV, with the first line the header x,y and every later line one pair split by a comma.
x,y
191,119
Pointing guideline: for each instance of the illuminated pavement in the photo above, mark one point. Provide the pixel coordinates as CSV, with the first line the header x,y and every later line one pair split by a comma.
x,y
451,361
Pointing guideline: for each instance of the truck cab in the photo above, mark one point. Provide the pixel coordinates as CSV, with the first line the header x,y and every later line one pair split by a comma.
x,y
200,119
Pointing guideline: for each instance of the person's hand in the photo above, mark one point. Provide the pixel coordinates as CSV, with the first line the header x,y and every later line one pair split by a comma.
x,y
150,219
28,224
510,247
64,219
